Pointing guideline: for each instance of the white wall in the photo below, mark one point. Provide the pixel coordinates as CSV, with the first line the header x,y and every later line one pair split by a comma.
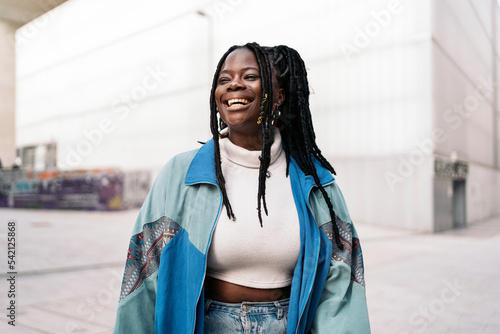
x,y
7,95
91,56
483,193
371,199
374,106
90,53
463,95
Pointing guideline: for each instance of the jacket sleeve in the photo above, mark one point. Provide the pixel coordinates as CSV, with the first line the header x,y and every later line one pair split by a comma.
x,y
136,308
342,307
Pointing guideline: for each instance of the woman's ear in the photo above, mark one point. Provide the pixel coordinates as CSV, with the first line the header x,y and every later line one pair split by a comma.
x,y
281,96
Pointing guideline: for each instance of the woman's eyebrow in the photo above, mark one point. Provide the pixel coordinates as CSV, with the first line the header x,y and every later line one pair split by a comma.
x,y
243,69
249,68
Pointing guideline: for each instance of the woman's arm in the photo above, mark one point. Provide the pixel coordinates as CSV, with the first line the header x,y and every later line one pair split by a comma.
x,y
342,307
136,308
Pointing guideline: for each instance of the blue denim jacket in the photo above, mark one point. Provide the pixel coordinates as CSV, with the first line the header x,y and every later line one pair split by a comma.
x,y
163,284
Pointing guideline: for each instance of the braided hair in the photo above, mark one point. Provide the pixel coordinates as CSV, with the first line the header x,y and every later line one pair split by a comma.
x,y
295,122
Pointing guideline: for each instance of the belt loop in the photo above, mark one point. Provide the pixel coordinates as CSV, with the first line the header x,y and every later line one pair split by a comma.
x,y
280,310
208,302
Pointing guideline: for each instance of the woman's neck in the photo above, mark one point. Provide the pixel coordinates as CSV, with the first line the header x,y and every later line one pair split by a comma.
x,y
251,143
249,158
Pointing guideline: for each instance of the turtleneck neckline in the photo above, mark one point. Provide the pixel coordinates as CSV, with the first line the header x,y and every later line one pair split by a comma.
x,y
250,159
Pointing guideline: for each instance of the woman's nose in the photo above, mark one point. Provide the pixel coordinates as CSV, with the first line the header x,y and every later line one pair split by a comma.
x,y
235,84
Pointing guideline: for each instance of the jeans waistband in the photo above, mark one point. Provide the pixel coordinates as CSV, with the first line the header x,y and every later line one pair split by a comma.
x,y
249,308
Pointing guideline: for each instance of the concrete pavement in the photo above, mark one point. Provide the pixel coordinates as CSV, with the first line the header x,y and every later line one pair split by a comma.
x,y
70,263
433,283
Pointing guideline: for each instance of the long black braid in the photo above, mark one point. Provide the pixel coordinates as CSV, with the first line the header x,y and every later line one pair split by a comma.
x,y
295,122
267,129
214,127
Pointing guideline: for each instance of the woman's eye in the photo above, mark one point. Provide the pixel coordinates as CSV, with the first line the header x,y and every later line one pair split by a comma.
x,y
223,79
252,77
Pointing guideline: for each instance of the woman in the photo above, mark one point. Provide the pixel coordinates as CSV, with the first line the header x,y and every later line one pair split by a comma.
x,y
204,259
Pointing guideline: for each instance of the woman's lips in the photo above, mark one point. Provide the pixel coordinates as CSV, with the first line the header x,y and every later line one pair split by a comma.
x,y
237,104
238,101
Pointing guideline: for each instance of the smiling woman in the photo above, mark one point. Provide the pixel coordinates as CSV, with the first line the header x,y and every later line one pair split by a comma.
x,y
203,258
238,97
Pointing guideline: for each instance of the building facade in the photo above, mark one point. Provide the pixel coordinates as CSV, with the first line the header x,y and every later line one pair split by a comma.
x,y
405,101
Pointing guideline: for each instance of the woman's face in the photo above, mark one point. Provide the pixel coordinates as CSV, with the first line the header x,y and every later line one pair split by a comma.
x,y
238,94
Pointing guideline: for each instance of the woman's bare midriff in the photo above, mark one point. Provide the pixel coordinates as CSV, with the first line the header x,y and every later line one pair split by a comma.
x,y
232,293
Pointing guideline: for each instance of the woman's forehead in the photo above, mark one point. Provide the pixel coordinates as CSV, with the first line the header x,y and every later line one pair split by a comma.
x,y
240,58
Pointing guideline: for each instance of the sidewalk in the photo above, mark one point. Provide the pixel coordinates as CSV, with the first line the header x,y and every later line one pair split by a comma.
x,y
70,264
433,283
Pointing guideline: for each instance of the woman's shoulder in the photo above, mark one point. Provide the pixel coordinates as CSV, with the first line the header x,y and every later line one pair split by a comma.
x,y
183,158
319,207
196,159
178,164
338,201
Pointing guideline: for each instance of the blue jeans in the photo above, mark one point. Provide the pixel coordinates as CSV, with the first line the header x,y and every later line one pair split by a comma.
x,y
246,318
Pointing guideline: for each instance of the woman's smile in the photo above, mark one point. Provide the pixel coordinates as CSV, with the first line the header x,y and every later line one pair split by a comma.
x,y
237,104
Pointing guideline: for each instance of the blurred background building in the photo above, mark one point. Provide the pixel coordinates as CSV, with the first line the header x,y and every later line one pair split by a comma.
x,y
405,100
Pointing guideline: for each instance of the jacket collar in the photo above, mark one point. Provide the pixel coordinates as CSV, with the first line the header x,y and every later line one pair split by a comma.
x,y
202,169
307,181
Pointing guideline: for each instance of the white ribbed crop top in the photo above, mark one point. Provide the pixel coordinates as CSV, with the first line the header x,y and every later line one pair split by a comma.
x,y
241,251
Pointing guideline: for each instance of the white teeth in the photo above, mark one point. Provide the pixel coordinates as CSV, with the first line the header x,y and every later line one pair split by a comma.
x,y
233,101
